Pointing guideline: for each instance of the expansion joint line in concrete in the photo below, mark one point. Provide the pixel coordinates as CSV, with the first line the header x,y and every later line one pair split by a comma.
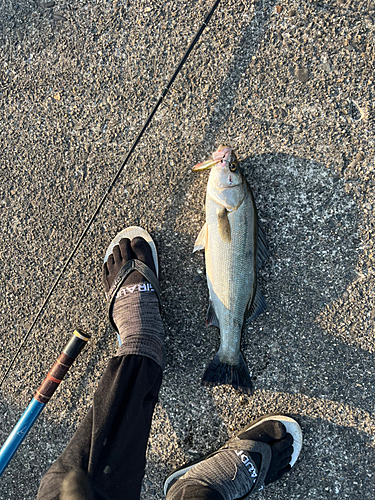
x,y
109,189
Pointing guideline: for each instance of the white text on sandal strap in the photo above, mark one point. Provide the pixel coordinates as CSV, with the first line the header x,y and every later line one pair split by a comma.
x,y
141,287
247,463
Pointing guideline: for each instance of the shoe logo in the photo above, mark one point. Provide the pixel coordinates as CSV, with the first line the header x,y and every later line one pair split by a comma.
x,y
141,287
248,464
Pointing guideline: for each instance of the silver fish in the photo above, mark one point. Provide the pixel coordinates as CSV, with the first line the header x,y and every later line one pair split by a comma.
x,y
235,248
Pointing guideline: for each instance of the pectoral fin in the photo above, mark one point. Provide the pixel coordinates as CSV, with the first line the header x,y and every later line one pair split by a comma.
x,y
200,242
224,226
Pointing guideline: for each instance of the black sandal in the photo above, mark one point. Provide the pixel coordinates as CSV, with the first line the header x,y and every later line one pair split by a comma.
x,y
132,265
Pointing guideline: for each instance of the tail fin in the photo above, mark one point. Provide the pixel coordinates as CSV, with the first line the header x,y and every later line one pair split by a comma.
x,y
218,373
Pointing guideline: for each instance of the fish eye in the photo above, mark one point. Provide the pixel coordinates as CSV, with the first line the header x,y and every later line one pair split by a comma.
x,y
232,167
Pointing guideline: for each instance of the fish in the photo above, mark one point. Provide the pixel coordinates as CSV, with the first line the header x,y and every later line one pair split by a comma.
x,y
235,248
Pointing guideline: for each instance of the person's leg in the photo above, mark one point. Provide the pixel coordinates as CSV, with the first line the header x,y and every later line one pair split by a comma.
x,y
110,444
262,453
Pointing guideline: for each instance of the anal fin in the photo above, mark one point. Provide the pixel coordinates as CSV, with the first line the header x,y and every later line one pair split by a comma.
x,y
212,319
256,306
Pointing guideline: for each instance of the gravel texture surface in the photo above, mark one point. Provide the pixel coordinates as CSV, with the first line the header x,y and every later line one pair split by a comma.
x,y
290,85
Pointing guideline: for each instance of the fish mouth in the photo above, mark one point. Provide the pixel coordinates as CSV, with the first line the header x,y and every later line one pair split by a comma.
x,y
219,156
222,153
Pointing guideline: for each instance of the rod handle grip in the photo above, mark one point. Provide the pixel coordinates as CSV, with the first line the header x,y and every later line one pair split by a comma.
x,y
61,366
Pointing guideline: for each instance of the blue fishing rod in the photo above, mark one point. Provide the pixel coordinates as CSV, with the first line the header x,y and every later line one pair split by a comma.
x,y
51,381
42,396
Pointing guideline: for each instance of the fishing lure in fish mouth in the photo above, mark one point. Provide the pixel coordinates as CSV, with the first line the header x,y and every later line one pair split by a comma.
x,y
224,156
235,248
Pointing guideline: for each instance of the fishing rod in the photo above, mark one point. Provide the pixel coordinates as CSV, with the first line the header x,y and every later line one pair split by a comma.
x,y
109,189
42,396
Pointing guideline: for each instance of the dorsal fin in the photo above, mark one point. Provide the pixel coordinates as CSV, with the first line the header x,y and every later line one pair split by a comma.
x,y
262,250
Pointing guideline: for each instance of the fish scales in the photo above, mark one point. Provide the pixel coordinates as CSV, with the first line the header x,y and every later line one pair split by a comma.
x,y
230,240
230,265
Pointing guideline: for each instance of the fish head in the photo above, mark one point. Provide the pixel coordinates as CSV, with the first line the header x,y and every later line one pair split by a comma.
x,y
226,184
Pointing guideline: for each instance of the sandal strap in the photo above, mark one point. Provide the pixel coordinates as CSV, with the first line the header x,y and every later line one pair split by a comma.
x,y
250,446
131,266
